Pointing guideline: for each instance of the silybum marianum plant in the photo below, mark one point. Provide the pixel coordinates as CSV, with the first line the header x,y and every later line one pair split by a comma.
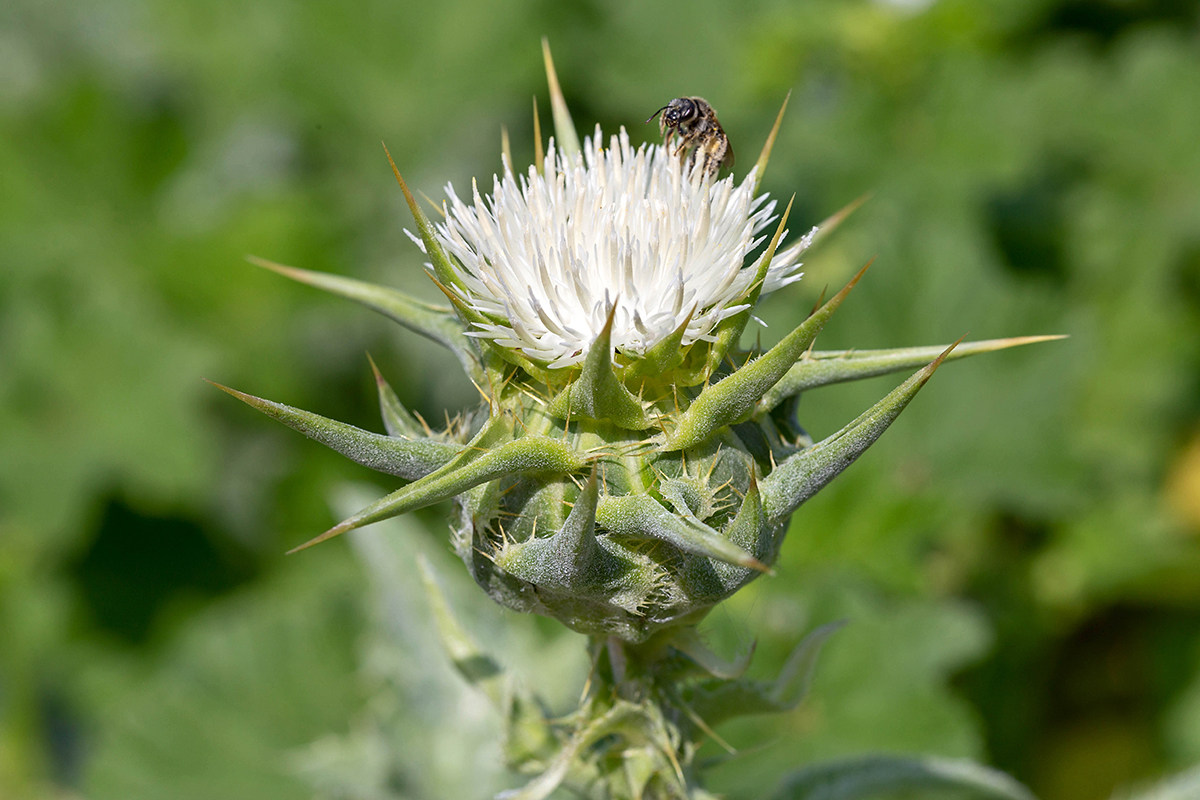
x,y
632,464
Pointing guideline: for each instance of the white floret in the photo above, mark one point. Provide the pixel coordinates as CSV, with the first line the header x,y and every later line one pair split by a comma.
x,y
545,256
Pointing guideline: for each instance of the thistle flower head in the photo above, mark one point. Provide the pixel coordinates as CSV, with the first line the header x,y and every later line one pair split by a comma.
x,y
628,474
632,465
547,255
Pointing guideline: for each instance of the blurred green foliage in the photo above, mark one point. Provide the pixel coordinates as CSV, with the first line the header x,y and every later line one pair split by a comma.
x,y
1019,555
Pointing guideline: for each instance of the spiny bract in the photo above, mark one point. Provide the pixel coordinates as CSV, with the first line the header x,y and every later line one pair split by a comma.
x,y
632,466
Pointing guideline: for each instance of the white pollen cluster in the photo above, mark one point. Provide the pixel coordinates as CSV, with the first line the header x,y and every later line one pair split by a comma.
x,y
545,257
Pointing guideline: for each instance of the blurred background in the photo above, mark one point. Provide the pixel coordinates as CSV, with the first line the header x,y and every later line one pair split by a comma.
x,y
1019,556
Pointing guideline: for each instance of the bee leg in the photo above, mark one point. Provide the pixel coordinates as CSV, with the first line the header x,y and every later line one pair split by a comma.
x,y
711,154
687,156
671,144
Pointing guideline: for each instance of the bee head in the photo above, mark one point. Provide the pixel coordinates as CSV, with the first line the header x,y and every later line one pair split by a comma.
x,y
678,112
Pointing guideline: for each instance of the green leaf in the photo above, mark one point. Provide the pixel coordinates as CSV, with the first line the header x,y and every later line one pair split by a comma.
x,y
643,516
716,702
472,467
564,128
1184,786
796,676
226,702
597,393
433,322
733,398
410,459
823,368
415,697
807,472
476,667
688,641
881,775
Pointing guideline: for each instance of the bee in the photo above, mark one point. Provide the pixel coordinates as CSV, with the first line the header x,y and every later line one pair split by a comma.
x,y
693,121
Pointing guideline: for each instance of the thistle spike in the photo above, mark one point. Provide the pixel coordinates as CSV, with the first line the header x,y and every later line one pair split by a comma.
x,y
823,368
761,165
733,398
729,332
642,515
441,211
597,393
406,458
432,322
506,149
471,468
564,128
442,267
807,472
539,155
397,420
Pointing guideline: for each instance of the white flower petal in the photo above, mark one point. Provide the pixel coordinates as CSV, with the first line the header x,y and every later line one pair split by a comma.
x,y
552,253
